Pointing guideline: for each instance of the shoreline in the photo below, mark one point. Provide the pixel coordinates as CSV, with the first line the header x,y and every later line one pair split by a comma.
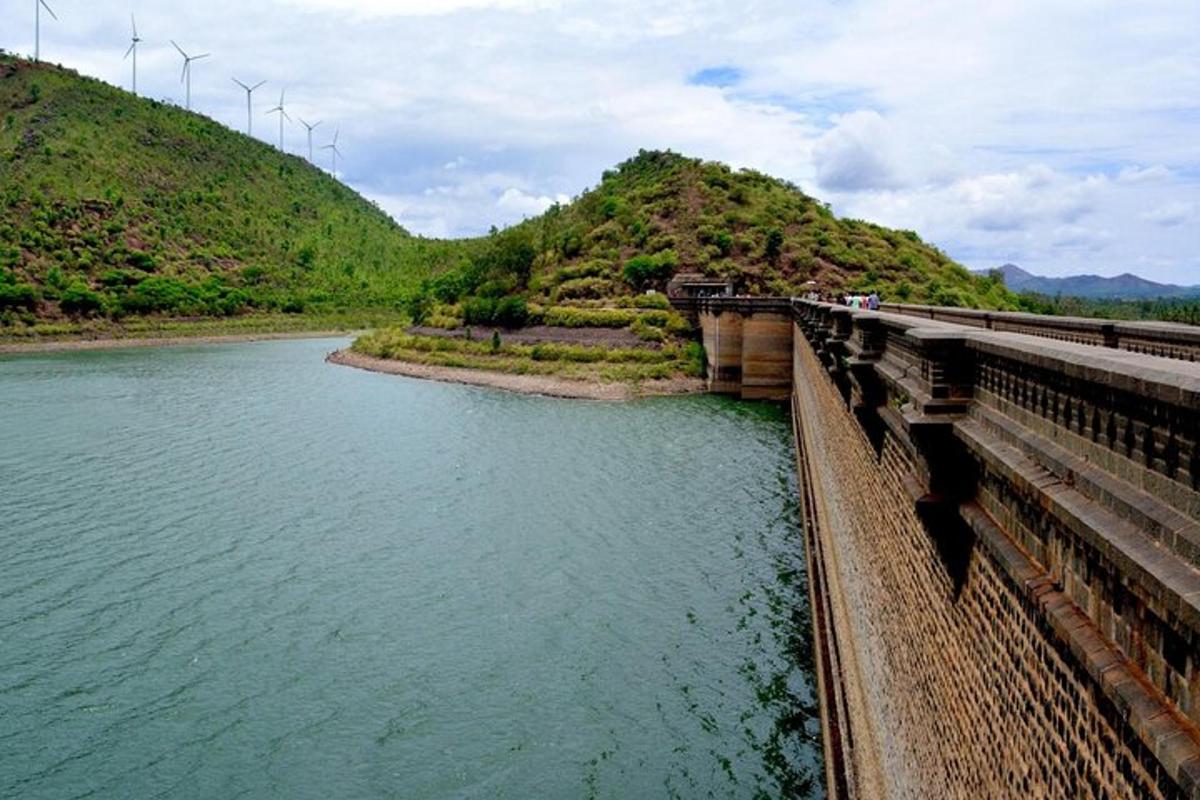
x,y
540,385
117,342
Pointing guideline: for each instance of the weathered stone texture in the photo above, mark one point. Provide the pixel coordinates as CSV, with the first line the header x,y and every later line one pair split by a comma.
x,y
1008,609
749,354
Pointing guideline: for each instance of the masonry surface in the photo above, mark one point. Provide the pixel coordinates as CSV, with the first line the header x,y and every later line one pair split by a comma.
x,y
1003,528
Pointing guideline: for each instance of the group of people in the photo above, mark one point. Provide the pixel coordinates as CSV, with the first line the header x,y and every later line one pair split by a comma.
x,y
870,302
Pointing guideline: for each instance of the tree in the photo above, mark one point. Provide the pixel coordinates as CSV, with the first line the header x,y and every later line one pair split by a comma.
x,y
774,245
643,269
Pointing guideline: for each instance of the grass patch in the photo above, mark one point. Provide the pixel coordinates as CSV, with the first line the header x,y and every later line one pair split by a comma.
x,y
604,364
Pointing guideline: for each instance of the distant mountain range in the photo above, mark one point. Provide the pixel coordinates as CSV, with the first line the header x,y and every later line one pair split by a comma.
x,y
1121,287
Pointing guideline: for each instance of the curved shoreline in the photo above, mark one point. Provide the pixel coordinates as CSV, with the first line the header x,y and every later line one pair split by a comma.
x,y
544,385
16,348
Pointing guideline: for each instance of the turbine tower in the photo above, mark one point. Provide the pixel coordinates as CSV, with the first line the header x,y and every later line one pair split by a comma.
x,y
186,77
249,91
333,148
282,116
133,49
309,128
38,5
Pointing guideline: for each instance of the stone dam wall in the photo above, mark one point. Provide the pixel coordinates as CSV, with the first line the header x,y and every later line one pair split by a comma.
x,y
1003,536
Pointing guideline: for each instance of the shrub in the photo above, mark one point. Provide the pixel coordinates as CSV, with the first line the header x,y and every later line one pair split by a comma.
x,y
120,277
55,279
774,245
655,300
446,288
479,310
693,352
643,269
511,312
648,333
142,261
79,299
678,325
507,312
955,298
18,295
565,317
418,306
588,269
585,288
494,289
159,293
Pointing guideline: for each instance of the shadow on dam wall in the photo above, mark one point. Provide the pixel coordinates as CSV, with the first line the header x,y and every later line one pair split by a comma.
x,y
1003,530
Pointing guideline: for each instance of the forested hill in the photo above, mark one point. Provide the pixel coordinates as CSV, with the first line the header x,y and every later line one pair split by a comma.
x,y
112,204
660,213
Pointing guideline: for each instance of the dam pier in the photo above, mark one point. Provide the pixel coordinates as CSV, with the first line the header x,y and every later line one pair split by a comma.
x,y
1002,517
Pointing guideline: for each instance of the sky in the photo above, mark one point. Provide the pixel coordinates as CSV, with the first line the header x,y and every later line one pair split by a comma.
x,y
1060,135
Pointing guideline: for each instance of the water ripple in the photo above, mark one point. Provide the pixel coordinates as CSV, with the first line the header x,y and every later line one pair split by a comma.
x,y
242,569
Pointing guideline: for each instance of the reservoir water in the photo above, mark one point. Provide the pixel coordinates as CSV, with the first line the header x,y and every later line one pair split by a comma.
x,y
236,571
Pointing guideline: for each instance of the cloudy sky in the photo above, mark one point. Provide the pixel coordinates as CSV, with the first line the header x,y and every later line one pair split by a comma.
x,y
1063,135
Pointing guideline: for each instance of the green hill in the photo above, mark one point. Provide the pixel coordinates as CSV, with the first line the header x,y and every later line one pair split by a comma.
x,y
660,213
113,205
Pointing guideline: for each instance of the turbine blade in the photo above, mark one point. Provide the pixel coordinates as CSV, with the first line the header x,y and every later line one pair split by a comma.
x,y
134,23
260,83
202,55
285,115
183,74
239,83
130,50
46,6
180,49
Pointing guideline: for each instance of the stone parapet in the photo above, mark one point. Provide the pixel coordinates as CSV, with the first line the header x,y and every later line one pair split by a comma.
x,y
1163,339
1005,534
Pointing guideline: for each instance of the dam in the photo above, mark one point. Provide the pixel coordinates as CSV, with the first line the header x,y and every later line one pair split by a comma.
x,y
1002,523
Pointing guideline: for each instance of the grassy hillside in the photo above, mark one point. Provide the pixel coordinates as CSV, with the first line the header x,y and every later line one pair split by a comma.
x,y
661,213
116,206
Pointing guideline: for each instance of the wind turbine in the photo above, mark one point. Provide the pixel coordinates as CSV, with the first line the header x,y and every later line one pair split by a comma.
x,y
38,5
282,116
133,49
310,130
186,77
249,91
333,148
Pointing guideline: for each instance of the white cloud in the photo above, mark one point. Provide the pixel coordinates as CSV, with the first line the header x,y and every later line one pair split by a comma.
x,y
419,8
1017,200
1170,214
855,155
527,205
983,127
1143,174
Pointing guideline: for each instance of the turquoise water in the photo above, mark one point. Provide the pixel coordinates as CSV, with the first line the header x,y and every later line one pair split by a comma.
x,y
237,571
